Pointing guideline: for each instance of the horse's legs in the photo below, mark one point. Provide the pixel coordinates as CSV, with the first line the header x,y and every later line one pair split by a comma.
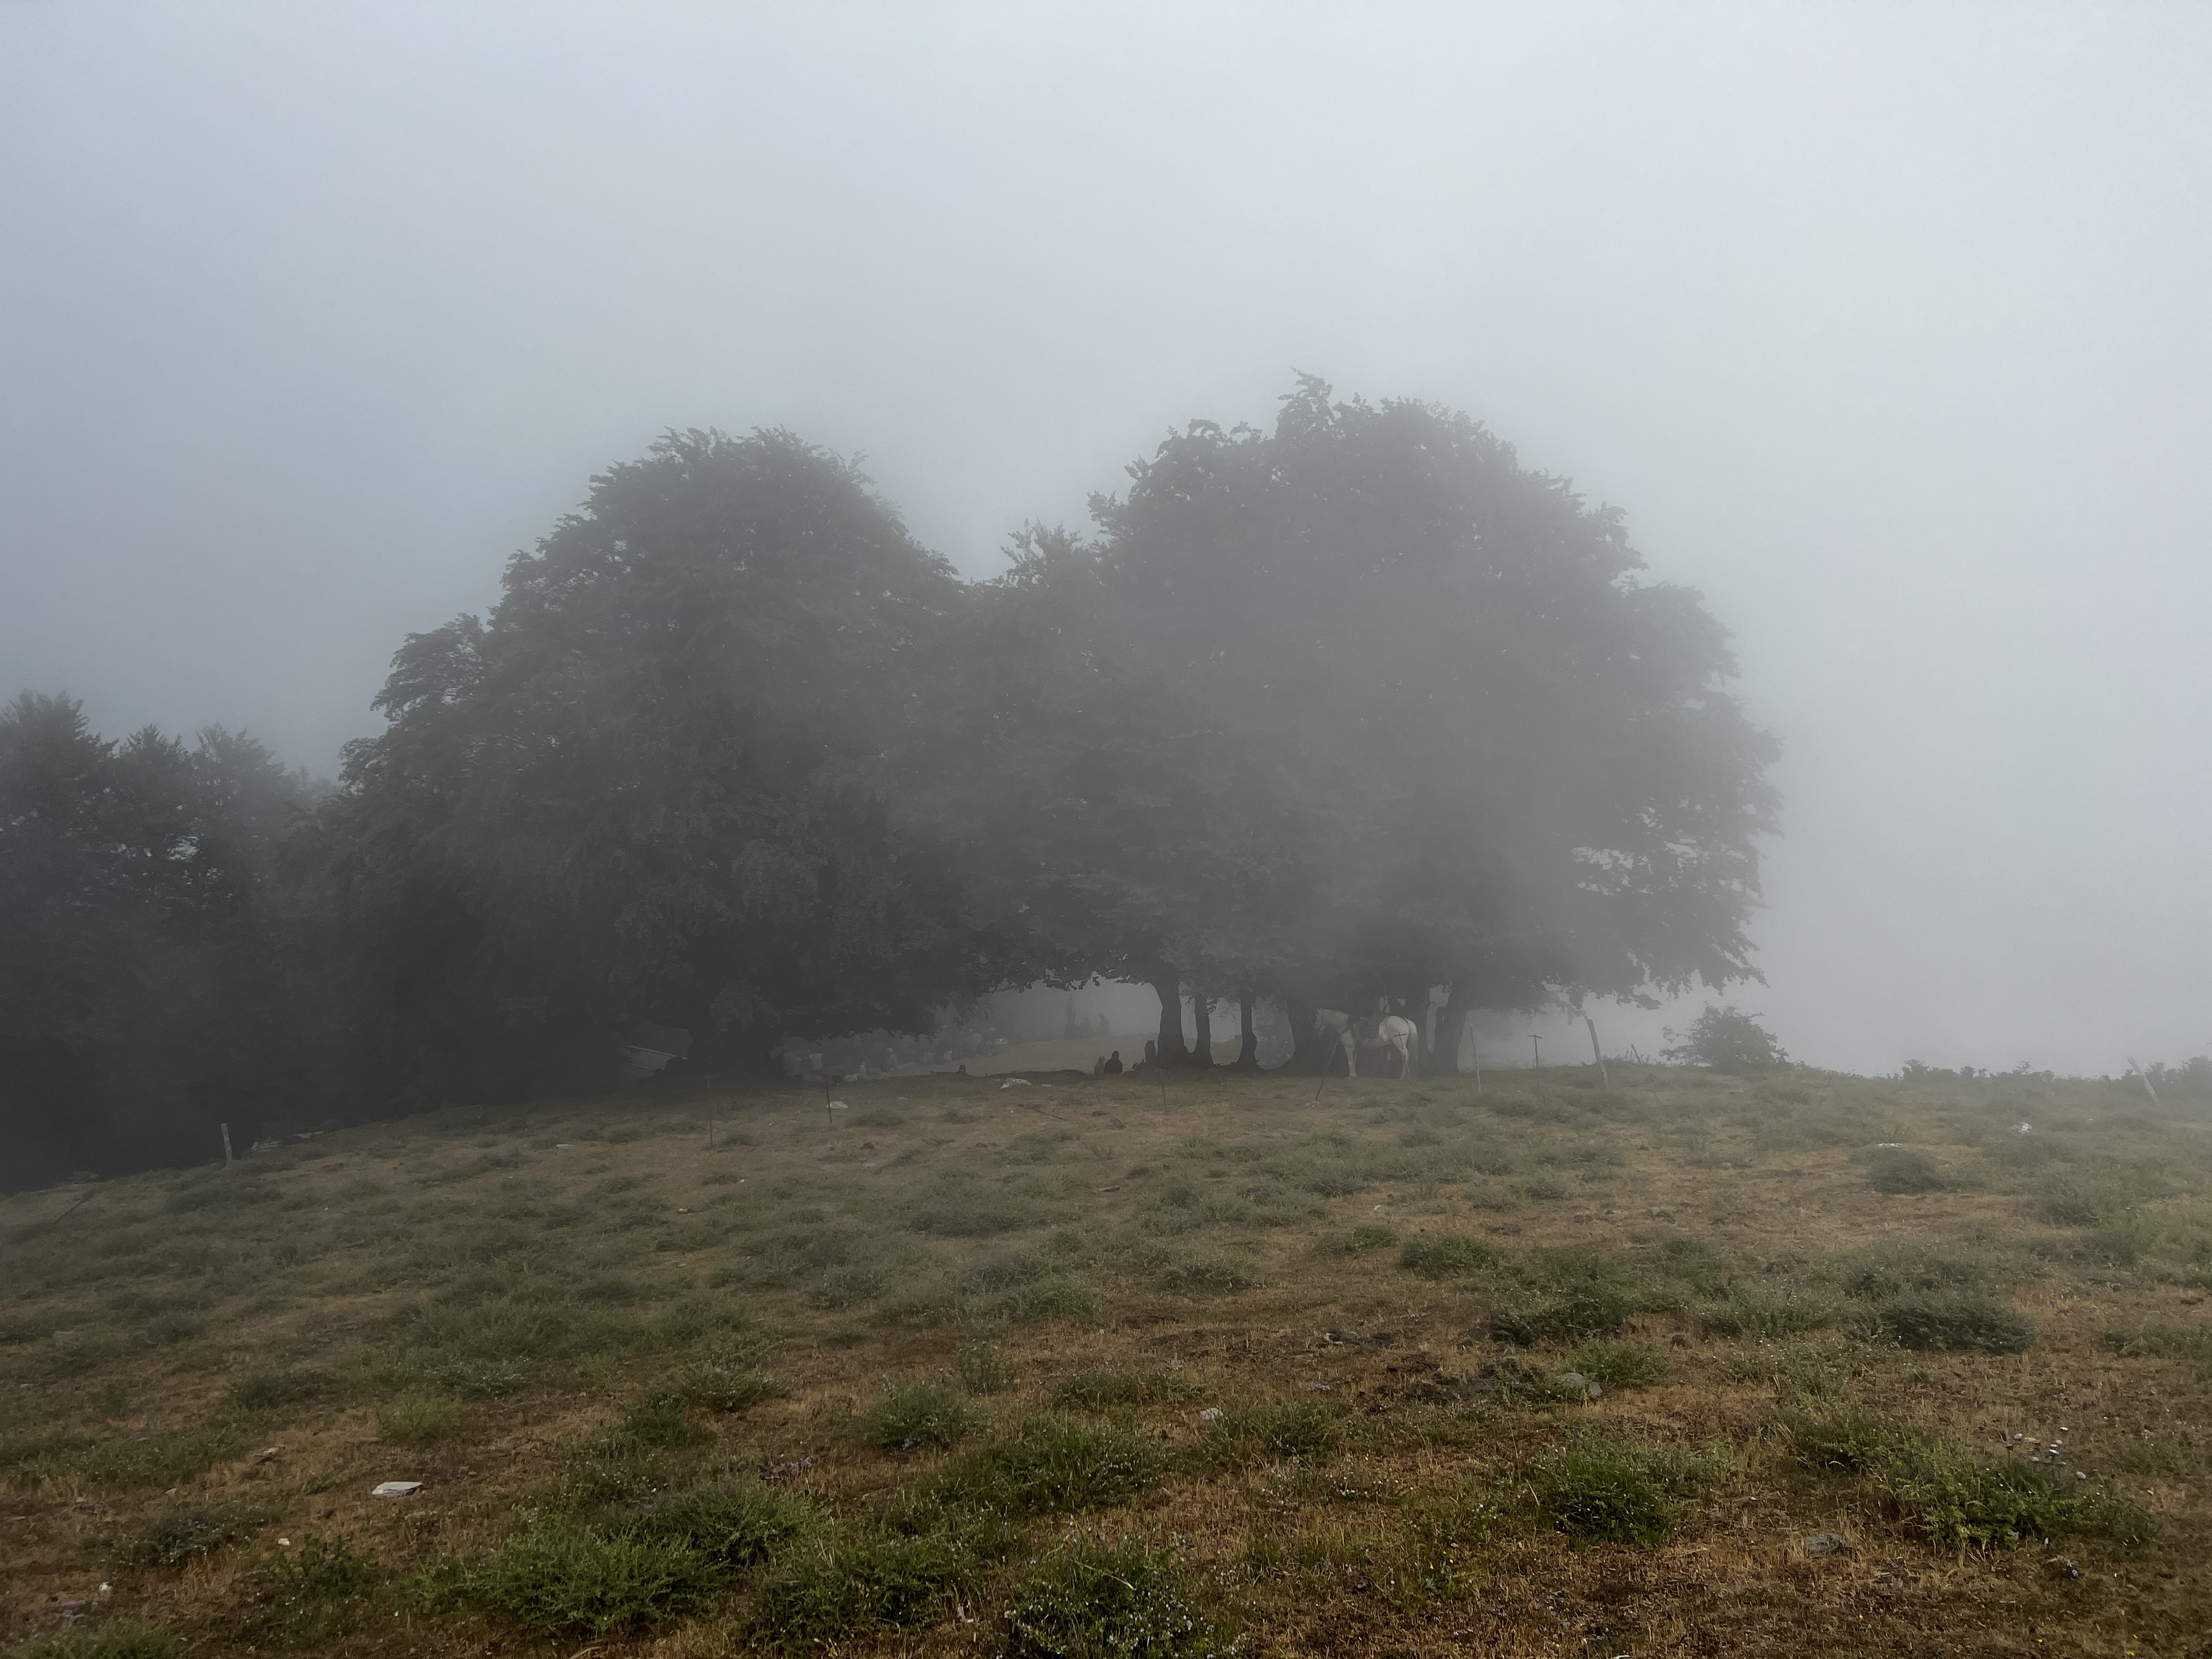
x,y
1351,1054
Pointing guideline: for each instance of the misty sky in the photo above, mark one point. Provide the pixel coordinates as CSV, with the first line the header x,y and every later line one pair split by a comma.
x,y
1887,326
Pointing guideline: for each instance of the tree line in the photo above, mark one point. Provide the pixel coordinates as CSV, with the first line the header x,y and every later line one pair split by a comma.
x,y
1316,714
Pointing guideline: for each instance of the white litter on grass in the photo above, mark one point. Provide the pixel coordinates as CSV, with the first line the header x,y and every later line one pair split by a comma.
x,y
397,1489
1016,1083
2023,1128
1210,1415
839,1106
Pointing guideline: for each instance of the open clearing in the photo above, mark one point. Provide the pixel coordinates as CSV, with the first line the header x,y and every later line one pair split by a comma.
x,y
974,1367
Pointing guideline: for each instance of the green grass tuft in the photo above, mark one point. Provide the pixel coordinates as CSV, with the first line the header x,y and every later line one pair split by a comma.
x,y
1050,1465
1107,1388
1449,1255
1090,1600
1617,1365
1275,1428
734,1524
1962,1321
124,1639
568,1580
1617,1490
418,1419
917,1414
1898,1172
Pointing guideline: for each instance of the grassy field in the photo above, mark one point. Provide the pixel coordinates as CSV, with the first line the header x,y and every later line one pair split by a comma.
x,y
974,1367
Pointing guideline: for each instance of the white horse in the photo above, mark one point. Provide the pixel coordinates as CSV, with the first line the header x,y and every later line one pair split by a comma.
x,y
1391,1032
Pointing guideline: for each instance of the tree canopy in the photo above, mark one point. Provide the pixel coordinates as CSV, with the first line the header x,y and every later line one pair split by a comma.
x,y
1321,713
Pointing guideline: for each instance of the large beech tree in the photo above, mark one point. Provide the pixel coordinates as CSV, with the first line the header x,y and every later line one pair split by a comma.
x,y
1360,705
658,781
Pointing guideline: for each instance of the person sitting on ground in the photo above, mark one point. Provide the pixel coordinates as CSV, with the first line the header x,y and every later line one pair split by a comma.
x,y
1114,1064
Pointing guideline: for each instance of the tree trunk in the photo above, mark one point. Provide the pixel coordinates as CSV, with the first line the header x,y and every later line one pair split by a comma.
x,y
1201,1048
1173,1051
1247,1049
1451,1031
1309,1053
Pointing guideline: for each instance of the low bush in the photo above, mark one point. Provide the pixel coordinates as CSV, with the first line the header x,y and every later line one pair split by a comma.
x,y
1050,1465
416,1418
1617,1365
917,1414
1107,1389
1090,1600
568,1580
1959,1323
1617,1490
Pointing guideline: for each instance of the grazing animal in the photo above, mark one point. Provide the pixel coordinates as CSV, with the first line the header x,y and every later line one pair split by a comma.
x,y
1329,1021
1392,1031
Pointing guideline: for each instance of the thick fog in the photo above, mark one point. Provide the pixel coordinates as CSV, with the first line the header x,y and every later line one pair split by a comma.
x,y
1887,326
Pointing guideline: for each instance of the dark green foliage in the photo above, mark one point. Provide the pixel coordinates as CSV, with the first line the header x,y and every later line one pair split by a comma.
x,y
1727,1040
1766,1311
1962,1321
1274,1429
140,1005
417,1419
1107,1389
721,1386
1372,1236
123,1639
566,1580
1448,1256
1049,1466
917,1414
1090,1600
735,1524
1897,1170
1616,1491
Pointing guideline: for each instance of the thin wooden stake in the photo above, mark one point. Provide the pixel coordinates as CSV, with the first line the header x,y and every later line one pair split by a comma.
x,y
1597,1052
227,1160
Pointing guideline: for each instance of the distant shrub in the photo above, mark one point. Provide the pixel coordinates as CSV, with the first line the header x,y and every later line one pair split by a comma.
x,y
416,1418
917,1414
1961,1322
1449,1255
1898,1171
1614,1490
567,1580
1092,1601
1726,1040
1617,1365
846,1286
1050,1465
